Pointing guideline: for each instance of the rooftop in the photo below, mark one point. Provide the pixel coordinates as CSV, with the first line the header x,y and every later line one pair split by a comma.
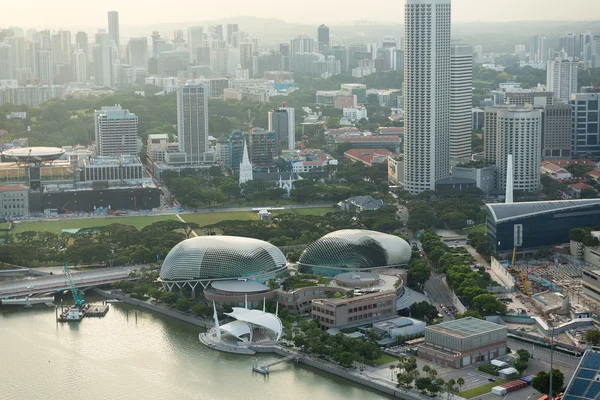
x,y
466,327
383,139
585,383
504,212
366,156
356,277
239,286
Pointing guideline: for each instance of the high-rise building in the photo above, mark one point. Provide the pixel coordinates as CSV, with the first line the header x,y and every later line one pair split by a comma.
x,y
103,75
301,44
568,44
195,40
538,49
561,78
514,130
192,122
586,131
113,27
45,66
116,131
81,42
461,102
137,52
65,47
426,93
557,134
79,66
6,61
282,122
232,30
263,149
323,38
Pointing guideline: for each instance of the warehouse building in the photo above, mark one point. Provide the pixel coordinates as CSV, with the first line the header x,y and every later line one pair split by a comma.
x,y
463,342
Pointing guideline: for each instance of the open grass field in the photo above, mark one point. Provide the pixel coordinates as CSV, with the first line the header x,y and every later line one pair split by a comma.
x,y
202,219
56,226
479,390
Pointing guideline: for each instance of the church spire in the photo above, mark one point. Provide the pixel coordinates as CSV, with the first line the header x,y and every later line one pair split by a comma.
x,y
245,167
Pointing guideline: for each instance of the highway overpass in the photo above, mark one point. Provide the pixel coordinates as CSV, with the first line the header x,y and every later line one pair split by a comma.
x,y
56,283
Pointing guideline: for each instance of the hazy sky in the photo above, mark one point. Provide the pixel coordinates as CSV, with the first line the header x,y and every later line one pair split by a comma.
x,y
85,13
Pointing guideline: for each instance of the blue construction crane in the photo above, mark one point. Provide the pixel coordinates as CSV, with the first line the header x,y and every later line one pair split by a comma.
x,y
77,295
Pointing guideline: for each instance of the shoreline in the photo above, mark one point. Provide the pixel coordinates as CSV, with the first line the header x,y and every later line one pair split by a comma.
x,y
308,360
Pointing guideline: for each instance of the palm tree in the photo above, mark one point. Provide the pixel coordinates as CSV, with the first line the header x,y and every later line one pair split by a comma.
x,y
460,382
392,368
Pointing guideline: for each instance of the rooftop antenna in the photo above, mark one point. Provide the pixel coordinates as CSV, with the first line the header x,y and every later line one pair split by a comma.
x,y
509,180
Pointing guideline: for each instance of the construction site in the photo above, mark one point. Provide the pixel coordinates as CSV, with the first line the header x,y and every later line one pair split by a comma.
x,y
545,298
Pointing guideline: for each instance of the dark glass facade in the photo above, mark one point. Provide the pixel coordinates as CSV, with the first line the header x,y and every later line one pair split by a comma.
x,y
540,230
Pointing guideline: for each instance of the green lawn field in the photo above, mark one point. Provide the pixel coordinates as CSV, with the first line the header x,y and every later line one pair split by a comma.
x,y
202,219
479,390
57,226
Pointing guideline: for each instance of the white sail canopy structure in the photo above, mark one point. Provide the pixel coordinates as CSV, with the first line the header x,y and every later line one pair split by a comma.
x,y
254,318
238,329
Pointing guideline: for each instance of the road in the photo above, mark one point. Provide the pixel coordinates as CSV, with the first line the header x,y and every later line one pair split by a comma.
x,y
53,283
439,294
561,361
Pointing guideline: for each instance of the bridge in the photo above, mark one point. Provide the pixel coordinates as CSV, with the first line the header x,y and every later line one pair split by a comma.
x,y
56,283
27,301
266,366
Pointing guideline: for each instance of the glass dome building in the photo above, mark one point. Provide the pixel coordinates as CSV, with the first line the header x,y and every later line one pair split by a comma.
x,y
354,250
207,258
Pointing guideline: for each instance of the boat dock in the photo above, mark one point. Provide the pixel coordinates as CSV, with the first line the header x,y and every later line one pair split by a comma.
x,y
264,369
96,310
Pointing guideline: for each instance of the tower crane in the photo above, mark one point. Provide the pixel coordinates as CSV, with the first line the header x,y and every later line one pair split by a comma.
x,y
77,295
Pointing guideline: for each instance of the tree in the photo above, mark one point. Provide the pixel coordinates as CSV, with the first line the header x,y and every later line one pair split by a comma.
x,y
488,304
524,355
541,382
423,384
521,366
450,386
592,336
460,382
423,310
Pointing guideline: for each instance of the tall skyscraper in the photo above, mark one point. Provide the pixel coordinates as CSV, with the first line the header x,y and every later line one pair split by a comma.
x,y
557,128
323,38
426,93
514,130
461,102
137,52
17,45
232,30
6,61
586,129
103,61
282,122
568,43
81,42
65,47
195,40
79,66
116,131
192,122
45,66
561,78
113,27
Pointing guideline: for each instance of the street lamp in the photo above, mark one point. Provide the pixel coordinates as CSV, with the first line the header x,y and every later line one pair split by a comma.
x,y
551,359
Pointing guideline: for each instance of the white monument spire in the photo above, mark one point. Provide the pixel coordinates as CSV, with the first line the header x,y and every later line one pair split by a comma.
x,y
245,166
508,198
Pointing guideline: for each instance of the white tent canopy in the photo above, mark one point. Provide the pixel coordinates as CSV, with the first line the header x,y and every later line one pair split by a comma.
x,y
238,329
258,318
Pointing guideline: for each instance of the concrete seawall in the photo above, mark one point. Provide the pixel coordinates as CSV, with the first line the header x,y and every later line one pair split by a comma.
x,y
153,307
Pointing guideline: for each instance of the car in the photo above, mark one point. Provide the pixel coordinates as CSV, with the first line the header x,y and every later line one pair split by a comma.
x,y
491,380
456,241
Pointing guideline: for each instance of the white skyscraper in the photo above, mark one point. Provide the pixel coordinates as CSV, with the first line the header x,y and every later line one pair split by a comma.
x,y
113,27
195,40
116,131
79,66
426,93
461,102
515,130
103,60
561,78
192,122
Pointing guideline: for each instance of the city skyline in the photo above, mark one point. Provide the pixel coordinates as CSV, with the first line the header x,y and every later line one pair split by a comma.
x,y
69,14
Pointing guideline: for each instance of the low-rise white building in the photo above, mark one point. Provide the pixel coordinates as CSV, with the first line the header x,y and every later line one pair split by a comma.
x,y
354,114
14,201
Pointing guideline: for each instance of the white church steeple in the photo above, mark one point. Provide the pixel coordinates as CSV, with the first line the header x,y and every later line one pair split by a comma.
x,y
245,167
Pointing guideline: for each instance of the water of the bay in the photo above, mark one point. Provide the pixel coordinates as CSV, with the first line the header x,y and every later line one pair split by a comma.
x,y
134,354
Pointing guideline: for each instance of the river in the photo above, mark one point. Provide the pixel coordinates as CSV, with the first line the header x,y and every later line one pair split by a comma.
x,y
135,354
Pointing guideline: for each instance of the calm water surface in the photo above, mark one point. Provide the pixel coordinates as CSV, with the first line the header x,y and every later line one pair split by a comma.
x,y
133,354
